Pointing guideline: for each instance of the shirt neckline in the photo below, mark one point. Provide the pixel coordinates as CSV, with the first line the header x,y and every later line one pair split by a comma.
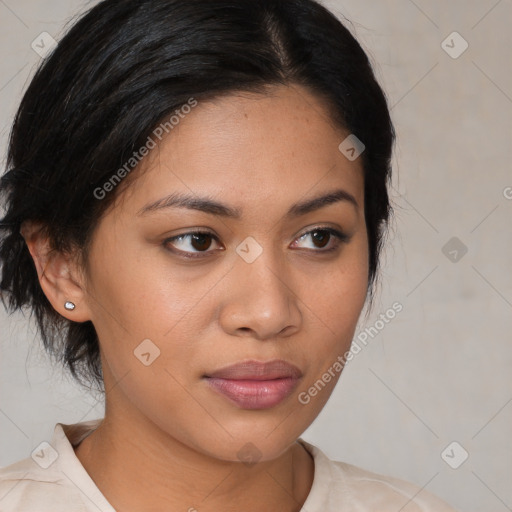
x,y
65,437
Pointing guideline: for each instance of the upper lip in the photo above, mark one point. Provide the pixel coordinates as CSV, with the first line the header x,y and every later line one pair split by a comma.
x,y
256,370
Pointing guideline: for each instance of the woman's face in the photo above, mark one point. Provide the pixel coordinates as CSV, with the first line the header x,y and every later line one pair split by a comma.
x,y
173,310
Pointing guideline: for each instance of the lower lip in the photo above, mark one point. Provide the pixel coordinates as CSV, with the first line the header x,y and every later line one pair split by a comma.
x,y
254,394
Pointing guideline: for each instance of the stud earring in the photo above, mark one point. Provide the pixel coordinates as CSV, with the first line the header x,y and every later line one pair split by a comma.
x,y
69,306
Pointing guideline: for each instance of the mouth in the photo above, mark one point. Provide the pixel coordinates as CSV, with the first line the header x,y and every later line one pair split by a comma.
x,y
254,384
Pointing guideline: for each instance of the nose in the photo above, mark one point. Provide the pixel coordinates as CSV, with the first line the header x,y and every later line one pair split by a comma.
x,y
260,300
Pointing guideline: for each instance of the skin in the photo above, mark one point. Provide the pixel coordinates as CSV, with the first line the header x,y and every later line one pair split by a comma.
x,y
168,441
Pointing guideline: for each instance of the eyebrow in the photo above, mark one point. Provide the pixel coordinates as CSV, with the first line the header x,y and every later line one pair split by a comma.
x,y
212,207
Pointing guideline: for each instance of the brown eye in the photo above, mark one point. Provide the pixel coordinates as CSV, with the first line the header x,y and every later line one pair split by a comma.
x,y
322,237
191,245
201,241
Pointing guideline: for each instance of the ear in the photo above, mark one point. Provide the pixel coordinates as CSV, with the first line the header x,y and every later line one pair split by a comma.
x,y
59,275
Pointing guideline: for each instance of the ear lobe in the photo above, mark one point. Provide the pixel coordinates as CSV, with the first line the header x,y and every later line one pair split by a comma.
x,y
56,271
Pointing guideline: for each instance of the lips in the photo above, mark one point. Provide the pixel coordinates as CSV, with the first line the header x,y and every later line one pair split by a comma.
x,y
254,370
254,384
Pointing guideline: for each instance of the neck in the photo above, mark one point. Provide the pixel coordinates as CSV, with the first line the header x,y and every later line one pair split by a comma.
x,y
137,466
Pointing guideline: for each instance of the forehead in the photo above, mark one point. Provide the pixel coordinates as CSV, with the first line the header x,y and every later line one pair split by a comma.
x,y
251,149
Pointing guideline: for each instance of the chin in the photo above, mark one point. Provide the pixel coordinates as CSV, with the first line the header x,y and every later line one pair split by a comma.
x,y
250,442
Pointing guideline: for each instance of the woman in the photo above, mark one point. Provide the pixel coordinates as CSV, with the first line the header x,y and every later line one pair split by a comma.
x,y
196,199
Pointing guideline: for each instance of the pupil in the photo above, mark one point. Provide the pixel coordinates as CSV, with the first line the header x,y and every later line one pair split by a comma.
x,y
321,238
200,238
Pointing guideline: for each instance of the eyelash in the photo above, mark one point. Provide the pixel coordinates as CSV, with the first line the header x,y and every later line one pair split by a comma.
x,y
339,235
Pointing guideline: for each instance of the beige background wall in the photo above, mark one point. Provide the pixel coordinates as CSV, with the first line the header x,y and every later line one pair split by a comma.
x,y
438,372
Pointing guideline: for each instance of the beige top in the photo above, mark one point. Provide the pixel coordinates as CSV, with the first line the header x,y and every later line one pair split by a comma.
x,y
54,480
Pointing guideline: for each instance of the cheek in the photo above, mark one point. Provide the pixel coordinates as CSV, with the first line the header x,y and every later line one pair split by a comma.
x,y
145,312
339,296
338,306
134,293
335,304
